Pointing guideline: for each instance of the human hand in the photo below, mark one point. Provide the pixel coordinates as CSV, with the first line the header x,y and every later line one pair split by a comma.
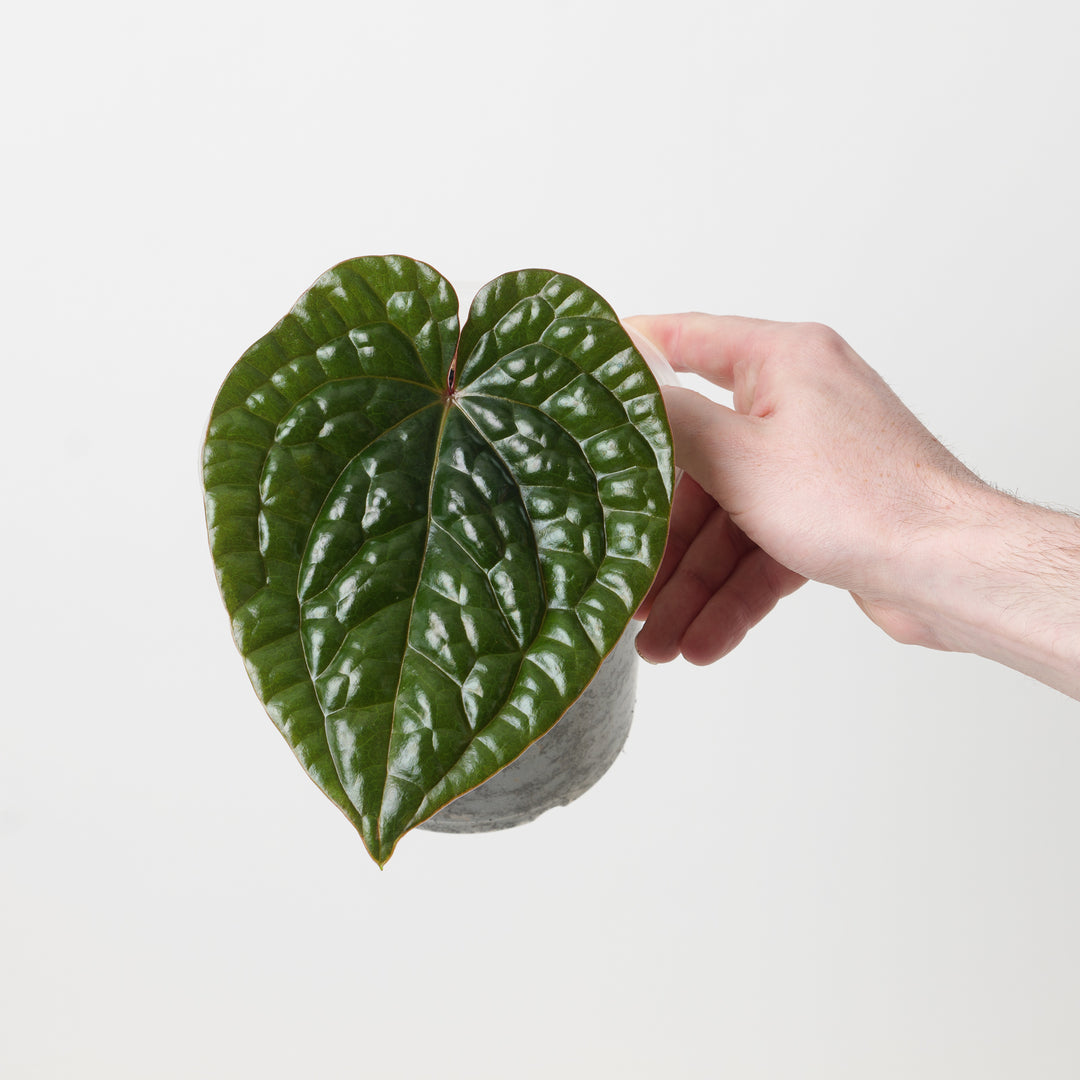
x,y
819,472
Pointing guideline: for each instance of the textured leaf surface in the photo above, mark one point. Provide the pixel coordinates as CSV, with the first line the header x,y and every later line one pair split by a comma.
x,y
427,548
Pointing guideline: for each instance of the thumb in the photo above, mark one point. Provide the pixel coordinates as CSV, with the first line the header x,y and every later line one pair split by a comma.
x,y
707,437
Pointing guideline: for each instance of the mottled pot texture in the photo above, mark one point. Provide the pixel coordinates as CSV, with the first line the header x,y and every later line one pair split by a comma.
x,y
562,764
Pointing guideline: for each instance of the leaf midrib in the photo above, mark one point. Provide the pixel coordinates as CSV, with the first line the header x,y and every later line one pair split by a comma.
x,y
525,649
447,406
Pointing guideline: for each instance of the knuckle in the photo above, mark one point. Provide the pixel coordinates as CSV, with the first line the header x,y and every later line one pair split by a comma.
x,y
821,338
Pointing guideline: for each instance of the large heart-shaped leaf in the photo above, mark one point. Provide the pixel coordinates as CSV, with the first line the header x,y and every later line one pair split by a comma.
x,y
428,547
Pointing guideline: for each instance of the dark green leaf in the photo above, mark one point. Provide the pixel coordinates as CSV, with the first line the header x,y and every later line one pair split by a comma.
x,y
426,559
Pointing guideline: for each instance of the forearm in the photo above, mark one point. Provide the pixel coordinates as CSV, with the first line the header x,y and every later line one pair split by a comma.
x,y
1000,578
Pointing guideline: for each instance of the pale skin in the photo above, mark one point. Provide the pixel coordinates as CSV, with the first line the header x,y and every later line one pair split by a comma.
x,y
821,472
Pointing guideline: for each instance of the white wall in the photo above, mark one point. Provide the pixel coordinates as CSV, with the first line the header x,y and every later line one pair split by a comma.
x,y
826,856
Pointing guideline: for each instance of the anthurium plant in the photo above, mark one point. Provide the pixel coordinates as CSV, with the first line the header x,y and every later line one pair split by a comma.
x,y
428,537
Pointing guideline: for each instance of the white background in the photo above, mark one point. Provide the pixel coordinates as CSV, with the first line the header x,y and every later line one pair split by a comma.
x,y
826,856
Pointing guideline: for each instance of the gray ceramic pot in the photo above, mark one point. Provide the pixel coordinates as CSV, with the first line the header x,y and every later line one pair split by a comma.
x,y
560,765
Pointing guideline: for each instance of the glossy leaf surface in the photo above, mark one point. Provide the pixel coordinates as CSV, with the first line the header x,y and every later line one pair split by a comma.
x,y
427,548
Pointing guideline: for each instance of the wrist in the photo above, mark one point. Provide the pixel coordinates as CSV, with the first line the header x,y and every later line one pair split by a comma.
x,y
1000,578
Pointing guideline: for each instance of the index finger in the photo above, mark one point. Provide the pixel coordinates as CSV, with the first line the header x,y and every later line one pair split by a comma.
x,y
706,345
